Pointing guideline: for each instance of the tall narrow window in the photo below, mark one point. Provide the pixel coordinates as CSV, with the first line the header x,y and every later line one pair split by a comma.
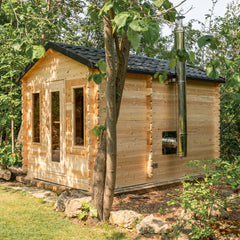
x,y
55,126
36,117
79,116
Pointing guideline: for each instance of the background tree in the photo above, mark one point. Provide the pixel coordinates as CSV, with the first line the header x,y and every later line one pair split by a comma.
x,y
24,26
219,56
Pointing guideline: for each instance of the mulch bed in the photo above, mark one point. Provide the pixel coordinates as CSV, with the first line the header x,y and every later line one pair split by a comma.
x,y
154,201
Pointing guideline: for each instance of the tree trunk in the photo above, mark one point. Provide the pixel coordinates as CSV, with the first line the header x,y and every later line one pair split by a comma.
x,y
100,161
12,119
111,139
12,135
99,176
1,137
122,64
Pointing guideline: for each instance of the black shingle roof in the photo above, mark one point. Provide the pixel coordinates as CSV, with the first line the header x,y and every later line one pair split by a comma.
x,y
136,64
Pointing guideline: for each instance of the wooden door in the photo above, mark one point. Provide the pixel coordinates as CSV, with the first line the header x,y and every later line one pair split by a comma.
x,y
56,144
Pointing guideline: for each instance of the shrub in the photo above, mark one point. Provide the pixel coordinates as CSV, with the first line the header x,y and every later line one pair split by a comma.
x,y
87,210
201,196
9,159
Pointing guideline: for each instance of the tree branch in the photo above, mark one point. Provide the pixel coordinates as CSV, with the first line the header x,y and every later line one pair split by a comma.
x,y
168,10
37,18
15,14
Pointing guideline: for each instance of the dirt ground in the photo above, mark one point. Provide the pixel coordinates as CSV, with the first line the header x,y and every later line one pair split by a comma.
x,y
154,202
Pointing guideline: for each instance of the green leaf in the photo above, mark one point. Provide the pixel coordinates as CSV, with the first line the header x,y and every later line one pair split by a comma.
x,y
211,71
82,215
17,44
152,34
121,19
214,43
38,51
158,3
163,76
93,12
97,78
101,64
171,15
172,63
134,38
192,56
97,130
90,77
228,62
117,7
106,7
204,40
35,51
29,51
137,26
156,74
86,206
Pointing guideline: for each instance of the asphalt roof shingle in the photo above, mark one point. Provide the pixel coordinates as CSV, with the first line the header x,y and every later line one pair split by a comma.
x,y
136,64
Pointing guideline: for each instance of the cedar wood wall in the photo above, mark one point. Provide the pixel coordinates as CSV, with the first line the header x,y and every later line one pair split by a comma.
x,y
147,109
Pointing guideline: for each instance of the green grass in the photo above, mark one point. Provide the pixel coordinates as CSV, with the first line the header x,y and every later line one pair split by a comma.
x,y
25,217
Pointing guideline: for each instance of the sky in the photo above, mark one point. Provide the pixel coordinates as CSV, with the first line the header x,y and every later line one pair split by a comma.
x,y
200,8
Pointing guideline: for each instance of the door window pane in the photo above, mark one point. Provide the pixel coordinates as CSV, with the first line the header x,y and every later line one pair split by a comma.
x,y
55,126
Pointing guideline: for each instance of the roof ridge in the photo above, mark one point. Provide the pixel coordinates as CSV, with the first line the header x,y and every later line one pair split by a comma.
x,y
78,46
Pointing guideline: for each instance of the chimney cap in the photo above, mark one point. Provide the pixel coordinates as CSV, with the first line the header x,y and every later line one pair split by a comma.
x,y
179,20
180,17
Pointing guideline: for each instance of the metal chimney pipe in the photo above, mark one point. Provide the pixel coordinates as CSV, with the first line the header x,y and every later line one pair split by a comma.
x,y
181,76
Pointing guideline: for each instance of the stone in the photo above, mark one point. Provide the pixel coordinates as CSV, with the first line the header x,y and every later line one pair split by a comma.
x,y
124,218
228,237
186,216
74,206
234,199
154,225
217,213
226,193
5,173
59,205
65,197
16,171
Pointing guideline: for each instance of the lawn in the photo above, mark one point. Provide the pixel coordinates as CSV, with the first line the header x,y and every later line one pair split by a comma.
x,y
25,217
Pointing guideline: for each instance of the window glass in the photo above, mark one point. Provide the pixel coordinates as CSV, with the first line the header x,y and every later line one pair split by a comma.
x,y
79,117
36,117
55,126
